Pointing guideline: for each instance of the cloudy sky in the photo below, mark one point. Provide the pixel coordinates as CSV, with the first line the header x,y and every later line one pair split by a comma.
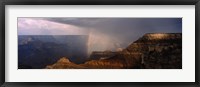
x,y
104,33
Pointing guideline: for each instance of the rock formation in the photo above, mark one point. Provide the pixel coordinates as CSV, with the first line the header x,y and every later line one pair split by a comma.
x,y
102,55
63,63
152,51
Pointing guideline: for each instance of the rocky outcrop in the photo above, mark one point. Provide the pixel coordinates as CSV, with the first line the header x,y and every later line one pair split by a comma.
x,y
102,54
64,63
155,50
152,51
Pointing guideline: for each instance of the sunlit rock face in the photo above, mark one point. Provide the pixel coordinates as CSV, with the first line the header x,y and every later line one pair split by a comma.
x,y
64,63
161,36
156,51
152,51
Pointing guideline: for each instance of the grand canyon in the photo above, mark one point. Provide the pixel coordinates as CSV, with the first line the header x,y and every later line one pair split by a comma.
x,y
150,51
99,43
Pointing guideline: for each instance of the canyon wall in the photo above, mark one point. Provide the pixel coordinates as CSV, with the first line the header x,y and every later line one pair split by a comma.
x,y
152,51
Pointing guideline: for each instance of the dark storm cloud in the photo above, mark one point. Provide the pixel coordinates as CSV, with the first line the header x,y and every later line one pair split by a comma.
x,y
83,22
126,28
112,33
145,24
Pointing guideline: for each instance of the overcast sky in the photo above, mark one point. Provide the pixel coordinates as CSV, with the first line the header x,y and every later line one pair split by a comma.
x,y
107,32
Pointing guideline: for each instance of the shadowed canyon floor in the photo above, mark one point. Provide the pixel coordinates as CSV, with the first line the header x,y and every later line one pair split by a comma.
x,y
152,51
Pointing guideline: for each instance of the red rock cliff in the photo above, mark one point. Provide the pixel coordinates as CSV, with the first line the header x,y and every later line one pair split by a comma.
x,y
152,51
